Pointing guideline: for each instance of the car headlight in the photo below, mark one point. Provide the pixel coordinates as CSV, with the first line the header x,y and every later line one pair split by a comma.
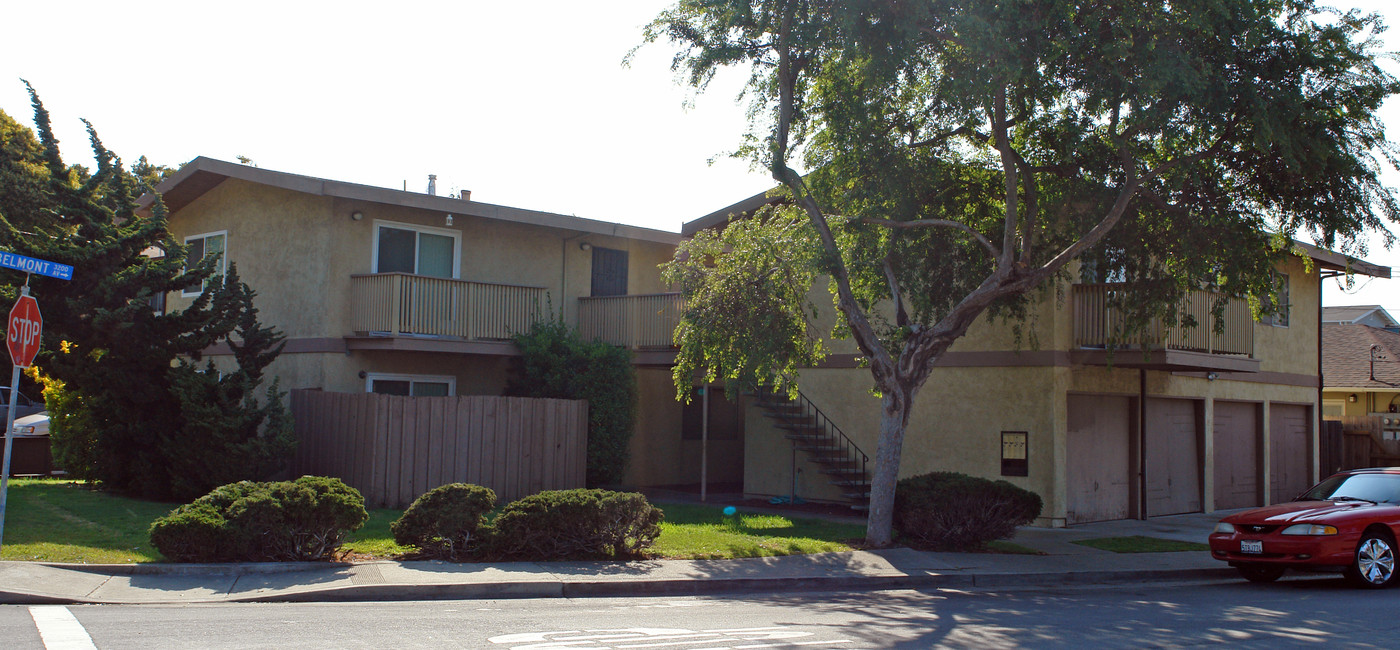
x,y
1309,529
24,430
1224,528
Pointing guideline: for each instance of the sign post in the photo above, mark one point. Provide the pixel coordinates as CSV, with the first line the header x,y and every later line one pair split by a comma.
x,y
22,332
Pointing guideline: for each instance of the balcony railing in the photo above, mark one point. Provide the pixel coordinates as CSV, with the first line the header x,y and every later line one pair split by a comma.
x,y
641,321
1095,321
400,303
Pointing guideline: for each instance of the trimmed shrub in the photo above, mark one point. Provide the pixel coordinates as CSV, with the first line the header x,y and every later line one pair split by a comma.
x,y
951,511
305,519
576,525
443,522
555,362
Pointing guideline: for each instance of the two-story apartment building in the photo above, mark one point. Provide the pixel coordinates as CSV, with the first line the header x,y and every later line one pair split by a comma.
x,y
401,292
409,293
1199,421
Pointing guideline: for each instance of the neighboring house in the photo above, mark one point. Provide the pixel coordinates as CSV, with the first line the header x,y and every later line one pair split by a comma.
x,y
406,293
1360,370
1200,422
1372,315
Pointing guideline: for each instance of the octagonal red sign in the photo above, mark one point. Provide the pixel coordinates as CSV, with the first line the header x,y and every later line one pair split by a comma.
x,y
22,331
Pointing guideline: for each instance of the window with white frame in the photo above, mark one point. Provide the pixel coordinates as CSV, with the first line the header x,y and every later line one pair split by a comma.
x,y
198,247
411,385
406,248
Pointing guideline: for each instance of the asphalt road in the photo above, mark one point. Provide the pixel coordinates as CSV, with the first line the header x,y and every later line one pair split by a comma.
x,y
1308,612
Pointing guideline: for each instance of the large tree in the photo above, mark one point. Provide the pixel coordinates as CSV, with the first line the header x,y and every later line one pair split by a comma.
x,y
961,153
135,414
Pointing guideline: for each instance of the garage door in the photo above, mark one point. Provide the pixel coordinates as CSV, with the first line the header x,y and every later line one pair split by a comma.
x,y
1237,453
1173,457
1097,465
1289,473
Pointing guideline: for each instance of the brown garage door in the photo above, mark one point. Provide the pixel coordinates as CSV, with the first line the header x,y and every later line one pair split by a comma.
x,y
1173,457
1237,445
1097,458
1288,451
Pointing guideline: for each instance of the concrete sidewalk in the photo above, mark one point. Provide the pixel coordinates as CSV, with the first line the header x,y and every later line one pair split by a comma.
x,y
1064,563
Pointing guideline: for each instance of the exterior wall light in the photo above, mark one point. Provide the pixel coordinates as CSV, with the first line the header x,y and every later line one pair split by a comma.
x,y
585,246
357,215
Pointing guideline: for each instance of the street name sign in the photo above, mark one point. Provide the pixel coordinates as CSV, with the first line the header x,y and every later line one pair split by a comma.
x,y
34,265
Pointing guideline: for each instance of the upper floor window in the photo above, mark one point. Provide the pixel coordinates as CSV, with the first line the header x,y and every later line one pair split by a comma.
x,y
198,247
411,385
405,248
609,272
1279,319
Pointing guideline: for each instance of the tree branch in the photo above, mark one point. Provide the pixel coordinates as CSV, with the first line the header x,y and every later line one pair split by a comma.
x,y
1009,172
943,223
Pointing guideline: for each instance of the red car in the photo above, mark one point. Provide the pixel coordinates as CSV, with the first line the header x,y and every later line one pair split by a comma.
x,y
1348,522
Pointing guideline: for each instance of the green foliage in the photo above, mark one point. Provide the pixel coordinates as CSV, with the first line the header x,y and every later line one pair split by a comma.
x,y
305,519
443,522
951,511
72,432
125,416
753,277
556,363
575,525
964,153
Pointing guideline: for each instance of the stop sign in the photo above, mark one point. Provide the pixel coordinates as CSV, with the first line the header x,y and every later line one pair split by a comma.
x,y
22,331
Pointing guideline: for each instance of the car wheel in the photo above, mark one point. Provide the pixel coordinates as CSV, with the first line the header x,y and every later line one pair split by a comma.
x,y
1374,562
1260,573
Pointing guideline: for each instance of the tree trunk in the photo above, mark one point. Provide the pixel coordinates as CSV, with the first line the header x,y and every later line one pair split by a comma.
x,y
895,405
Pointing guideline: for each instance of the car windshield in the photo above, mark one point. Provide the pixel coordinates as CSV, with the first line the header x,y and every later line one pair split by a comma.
x,y
1367,487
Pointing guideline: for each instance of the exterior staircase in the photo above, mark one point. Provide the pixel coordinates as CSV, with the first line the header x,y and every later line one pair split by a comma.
x,y
822,441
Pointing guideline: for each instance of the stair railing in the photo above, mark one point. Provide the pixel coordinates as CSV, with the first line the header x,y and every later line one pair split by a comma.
x,y
831,436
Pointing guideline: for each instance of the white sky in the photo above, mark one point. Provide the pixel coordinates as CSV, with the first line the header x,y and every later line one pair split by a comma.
x,y
525,103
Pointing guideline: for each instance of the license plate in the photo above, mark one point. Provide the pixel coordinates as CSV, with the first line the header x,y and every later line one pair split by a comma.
x,y
1251,546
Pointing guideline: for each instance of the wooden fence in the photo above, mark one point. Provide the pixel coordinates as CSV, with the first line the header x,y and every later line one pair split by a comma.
x,y
393,449
1363,442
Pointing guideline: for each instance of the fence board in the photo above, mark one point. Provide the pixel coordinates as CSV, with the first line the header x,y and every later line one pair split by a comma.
x,y
394,448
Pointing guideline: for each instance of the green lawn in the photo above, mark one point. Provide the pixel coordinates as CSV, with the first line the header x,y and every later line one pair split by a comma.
x,y
1141,544
704,532
61,521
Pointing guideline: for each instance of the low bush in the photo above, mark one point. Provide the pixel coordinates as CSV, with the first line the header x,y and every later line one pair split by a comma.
x,y
444,521
575,525
951,511
305,519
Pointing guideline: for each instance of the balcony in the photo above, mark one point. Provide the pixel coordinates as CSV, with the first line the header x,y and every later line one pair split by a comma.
x,y
401,304
1165,347
635,322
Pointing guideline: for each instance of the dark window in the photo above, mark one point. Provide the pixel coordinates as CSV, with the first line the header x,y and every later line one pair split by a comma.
x,y
726,417
396,248
1013,454
609,272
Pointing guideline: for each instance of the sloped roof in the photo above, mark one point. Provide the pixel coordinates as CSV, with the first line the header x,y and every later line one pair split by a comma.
x,y
1324,258
1352,314
202,174
1346,357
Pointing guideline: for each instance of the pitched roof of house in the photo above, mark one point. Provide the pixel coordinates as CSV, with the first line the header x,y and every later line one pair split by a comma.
x,y
202,174
1324,258
1352,314
1346,357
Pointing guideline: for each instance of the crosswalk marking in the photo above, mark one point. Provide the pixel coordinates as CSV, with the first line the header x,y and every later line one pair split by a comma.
x,y
59,629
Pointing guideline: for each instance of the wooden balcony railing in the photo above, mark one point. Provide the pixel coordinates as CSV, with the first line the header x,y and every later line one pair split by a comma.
x,y
401,303
1095,321
641,321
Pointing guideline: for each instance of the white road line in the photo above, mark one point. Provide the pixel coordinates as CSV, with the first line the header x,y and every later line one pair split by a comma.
x,y
59,629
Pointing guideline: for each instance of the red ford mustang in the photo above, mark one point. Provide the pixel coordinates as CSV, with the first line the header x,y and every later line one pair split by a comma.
x,y
1348,522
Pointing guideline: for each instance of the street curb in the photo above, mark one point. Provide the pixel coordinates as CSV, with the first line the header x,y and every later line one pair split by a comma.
x,y
668,587
201,569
